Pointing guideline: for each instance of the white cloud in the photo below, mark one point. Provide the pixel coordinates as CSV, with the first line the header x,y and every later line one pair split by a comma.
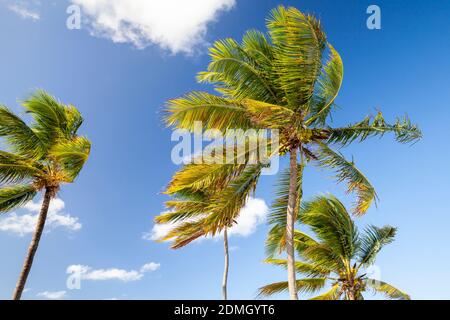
x,y
150,267
251,216
158,231
176,25
55,295
90,274
24,11
23,224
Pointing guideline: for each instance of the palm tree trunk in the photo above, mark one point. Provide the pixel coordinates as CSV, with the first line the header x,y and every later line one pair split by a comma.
x,y
227,265
290,224
351,294
34,245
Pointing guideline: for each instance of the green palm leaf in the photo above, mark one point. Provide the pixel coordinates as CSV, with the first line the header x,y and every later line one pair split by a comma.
x,y
298,46
348,172
333,294
327,90
18,135
211,111
404,130
303,285
373,240
332,224
12,197
71,156
388,290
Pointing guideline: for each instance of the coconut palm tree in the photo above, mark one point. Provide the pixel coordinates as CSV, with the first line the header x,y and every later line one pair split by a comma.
x,y
39,157
287,80
190,216
337,255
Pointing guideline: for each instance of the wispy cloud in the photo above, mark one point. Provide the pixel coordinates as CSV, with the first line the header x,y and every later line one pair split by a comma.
x,y
175,25
24,11
23,224
90,274
53,295
252,215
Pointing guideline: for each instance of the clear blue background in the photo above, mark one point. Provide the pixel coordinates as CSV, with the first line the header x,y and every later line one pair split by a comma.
x,y
404,68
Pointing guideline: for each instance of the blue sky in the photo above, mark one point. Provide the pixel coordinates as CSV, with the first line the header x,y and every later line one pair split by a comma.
x,y
120,87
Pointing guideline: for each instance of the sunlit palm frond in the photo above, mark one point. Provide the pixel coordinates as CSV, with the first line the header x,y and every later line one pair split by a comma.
x,y
186,232
276,241
310,270
303,285
19,137
12,197
71,156
49,115
298,42
372,241
240,73
226,205
267,115
348,172
196,177
404,130
332,224
327,88
15,169
184,209
211,111
333,294
387,290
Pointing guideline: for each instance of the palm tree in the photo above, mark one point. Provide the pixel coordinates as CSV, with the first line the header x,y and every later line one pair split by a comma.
x,y
338,257
40,157
283,81
189,215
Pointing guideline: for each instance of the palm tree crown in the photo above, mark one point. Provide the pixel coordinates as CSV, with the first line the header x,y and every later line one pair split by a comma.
x,y
337,255
39,157
288,80
42,155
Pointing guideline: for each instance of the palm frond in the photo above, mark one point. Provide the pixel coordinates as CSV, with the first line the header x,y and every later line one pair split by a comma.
x,y
195,177
327,89
404,130
186,232
226,205
298,42
211,111
12,197
303,285
333,294
15,169
267,115
18,135
348,172
238,70
277,215
309,270
49,115
332,224
276,241
184,208
71,156
387,290
372,241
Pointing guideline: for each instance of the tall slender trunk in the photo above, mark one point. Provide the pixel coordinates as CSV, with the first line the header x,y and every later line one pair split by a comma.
x,y
227,265
290,224
34,244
